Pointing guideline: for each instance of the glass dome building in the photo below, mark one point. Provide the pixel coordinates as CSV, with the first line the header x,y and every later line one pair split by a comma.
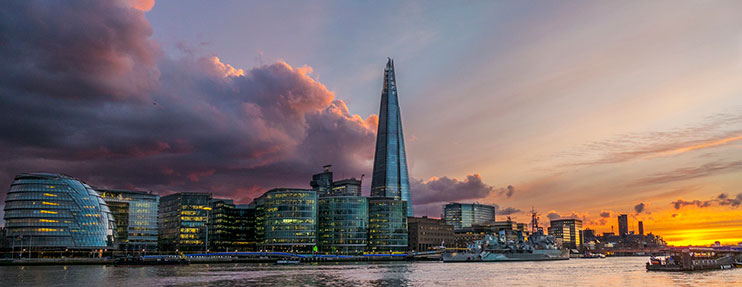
x,y
54,211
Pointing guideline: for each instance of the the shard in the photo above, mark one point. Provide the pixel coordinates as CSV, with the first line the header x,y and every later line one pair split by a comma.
x,y
390,178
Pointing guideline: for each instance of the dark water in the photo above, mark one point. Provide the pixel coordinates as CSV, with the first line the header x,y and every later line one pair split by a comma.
x,y
620,271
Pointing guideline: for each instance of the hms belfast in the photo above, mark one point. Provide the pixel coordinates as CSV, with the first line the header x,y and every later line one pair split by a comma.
x,y
502,247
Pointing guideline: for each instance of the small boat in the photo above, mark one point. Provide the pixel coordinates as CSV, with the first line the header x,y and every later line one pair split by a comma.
x,y
288,262
590,255
692,259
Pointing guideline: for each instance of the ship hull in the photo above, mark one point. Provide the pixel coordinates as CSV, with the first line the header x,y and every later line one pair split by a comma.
x,y
537,255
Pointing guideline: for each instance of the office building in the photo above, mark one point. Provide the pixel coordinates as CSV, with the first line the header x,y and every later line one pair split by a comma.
x,y
222,225
343,225
183,221
346,187
623,225
245,237
322,182
390,178
53,211
387,225
641,228
287,220
569,231
136,214
505,225
463,215
425,234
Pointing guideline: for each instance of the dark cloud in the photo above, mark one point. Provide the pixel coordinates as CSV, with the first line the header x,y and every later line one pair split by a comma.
x,y
507,211
605,213
86,92
508,191
553,215
445,189
722,200
639,208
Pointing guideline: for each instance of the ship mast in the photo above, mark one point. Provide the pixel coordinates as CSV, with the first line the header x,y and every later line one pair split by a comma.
x,y
534,221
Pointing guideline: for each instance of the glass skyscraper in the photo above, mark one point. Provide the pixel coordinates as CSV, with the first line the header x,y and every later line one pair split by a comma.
x,y
463,215
183,219
136,218
390,178
286,219
343,223
387,225
54,211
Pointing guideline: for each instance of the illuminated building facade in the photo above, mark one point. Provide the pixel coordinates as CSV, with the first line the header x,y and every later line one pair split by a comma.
x,y
287,219
221,225
569,231
427,234
343,223
387,225
183,220
54,211
463,215
135,213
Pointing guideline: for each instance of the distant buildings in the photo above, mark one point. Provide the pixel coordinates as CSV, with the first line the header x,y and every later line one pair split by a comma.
x,y
286,220
183,221
425,233
55,211
463,215
390,178
623,225
505,225
641,228
569,231
136,214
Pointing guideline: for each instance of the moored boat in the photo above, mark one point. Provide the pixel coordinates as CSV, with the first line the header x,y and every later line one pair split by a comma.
x,y
510,247
692,259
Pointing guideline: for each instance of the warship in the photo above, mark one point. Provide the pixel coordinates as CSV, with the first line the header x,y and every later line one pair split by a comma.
x,y
510,246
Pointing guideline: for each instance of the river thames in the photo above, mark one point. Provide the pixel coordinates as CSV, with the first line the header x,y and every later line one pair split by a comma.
x,y
615,271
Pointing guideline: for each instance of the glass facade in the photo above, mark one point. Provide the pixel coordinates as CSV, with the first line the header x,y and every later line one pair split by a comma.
x,y
568,230
135,213
390,178
387,225
183,219
343,222
244,227
57,211
463,215
322,182
287,219
347,187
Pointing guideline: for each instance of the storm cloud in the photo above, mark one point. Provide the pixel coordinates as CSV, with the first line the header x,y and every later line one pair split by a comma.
x,y
445,189
86,92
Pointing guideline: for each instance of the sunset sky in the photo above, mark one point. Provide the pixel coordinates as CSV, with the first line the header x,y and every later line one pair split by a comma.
x,y
584,109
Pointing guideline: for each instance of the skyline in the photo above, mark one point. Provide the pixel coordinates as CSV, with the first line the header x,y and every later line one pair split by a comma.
x,y
582,109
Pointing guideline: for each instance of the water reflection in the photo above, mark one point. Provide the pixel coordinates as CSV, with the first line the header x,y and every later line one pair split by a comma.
x,y
627,271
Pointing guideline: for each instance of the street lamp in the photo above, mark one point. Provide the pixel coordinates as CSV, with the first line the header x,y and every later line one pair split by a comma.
x,y
206,242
